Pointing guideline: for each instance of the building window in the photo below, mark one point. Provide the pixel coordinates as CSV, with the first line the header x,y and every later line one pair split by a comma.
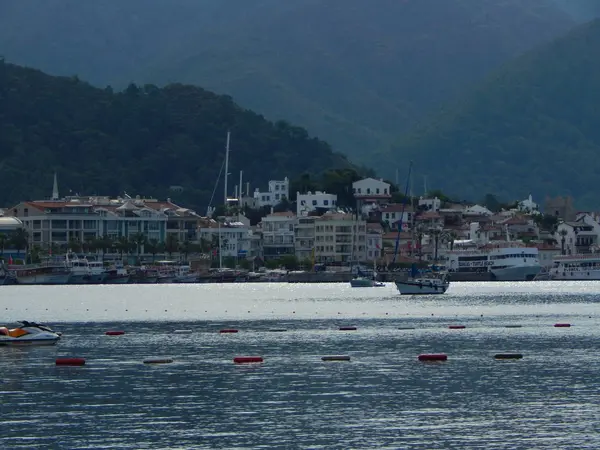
x,y
314,202
377,191
326,202
385,191
368,190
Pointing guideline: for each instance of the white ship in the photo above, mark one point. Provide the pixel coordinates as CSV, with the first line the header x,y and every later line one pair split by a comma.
x,y
576,267
499,261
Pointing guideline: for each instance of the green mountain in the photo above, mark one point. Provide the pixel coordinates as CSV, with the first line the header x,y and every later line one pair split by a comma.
x,y
355,72
142,140
532,127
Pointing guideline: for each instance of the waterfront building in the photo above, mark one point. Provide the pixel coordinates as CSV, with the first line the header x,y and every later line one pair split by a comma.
x,y
340,238
235,236
84,219
304,241
278,233
311,201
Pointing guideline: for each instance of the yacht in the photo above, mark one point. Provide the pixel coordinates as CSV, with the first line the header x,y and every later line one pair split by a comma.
x,y
97,272
576,267
79,267
494,261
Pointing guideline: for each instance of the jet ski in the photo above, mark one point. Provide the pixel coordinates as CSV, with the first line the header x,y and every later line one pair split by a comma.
x,y
29,333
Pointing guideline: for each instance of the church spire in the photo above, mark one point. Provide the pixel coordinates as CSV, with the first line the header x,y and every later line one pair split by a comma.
x,y
55,188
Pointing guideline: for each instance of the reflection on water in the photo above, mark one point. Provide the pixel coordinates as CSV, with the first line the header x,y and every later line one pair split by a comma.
x,y
383,398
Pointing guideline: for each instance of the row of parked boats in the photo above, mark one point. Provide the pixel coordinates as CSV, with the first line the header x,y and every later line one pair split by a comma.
x,y
74,270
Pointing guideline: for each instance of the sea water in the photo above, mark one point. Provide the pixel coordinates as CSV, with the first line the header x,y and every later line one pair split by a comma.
x,y
383,398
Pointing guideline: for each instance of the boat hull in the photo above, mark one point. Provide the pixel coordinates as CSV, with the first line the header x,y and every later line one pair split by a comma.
x,y
4,341
361,282
46,279
524,273
117,280
421,287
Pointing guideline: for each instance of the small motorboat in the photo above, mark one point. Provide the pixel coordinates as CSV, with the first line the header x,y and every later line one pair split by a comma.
x,y
29,333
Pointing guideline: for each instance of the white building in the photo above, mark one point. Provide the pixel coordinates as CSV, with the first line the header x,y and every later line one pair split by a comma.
x,y
392,214
306,203
528,206
278,232
339,238
477,210
278,190
430,204
370,188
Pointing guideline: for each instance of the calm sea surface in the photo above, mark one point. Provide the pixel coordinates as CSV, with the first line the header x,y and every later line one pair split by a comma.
x,y
383,398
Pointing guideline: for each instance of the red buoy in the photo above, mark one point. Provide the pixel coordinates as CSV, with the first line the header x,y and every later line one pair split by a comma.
x,y
456,327
228,330
347,328
70,361
433,357
114,333
562,325
247,359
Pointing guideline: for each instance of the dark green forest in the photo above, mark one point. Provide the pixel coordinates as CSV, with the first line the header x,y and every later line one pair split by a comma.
x,y
532,127
142,141
357,73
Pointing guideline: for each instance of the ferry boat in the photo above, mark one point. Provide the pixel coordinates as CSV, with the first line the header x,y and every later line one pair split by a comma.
x,y
501,261
79,267
576,267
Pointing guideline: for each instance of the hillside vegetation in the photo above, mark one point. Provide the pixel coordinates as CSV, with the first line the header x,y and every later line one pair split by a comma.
x,y
142,140
532,127
355,72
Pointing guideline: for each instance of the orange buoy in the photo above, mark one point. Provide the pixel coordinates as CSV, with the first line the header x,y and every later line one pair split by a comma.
x,y
347,328
114,333
433,357
158,361
247,359
335,358
456,327
562,325
70,361
228,330
508,356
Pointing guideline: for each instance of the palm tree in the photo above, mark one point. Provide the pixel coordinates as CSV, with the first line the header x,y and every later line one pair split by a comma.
x,y
74,245
171,244
103,244
152,247
3,242
186,247
139,240
20,240
122,245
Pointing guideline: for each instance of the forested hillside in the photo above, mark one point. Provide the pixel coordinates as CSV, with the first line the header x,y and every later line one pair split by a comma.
x,y
142,140
355,72
532,127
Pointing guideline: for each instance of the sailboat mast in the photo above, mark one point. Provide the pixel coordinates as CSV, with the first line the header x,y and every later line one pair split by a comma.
x,y
220,249
226,165
241,189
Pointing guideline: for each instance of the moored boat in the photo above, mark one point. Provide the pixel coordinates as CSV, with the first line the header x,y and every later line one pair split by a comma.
x,y
46,273
430,283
